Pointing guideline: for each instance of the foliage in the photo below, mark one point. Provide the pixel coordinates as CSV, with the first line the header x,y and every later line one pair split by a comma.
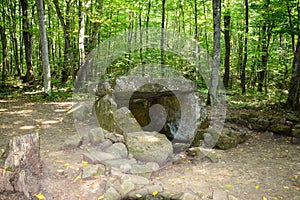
x,y
107,18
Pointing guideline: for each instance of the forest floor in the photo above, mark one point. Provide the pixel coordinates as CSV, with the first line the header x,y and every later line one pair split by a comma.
x,y
266,166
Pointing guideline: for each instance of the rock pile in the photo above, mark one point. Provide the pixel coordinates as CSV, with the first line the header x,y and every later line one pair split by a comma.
x,y
288,124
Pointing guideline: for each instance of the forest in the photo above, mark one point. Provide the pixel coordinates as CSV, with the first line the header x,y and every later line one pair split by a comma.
x,y
259,41
81,116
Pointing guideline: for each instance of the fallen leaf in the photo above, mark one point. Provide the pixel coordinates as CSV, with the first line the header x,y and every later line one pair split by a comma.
x,y
40,196
154,193
85,163
138,195
264,198
101,197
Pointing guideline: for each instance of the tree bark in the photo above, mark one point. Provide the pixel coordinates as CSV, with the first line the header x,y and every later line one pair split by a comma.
x,y
162,40
27,39
244,65
227,19
214,77
82,32
22,168
44,45
68,50
4,53
293,100
265,41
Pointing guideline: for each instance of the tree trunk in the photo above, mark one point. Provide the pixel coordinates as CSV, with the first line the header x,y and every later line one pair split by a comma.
x,y
291,24
243,69
214,77
265,41
162,40
294,92
68,50
96,26
227,18
44,45
81,33
22,168
293,100
4,53
27,39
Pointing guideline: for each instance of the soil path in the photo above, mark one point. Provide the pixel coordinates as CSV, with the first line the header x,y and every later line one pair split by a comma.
x,y
265,165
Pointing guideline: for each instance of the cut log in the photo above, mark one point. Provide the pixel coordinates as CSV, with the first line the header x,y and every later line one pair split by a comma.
x,y
22,167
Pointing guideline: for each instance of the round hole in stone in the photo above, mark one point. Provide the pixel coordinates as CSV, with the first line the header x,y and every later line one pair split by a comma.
x,y
156,109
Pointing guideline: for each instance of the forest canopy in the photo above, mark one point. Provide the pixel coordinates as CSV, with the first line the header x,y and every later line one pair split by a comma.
x,y
259,41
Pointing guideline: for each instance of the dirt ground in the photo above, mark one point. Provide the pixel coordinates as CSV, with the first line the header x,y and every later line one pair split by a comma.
x,y
266,166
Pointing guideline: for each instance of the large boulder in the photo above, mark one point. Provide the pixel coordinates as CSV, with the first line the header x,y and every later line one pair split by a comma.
x,y
126,121
171,106
105,110
113,119
230,138
149,146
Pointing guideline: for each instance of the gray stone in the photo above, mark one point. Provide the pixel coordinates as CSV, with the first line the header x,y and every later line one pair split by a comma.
x,y
105,109
135,179
113,181
114,137
92,171
80,111
292,117
126,121
102,88
72,142
126,187
188,196
97,157
149,146
220,195
126,168
212,155
282,129
111,194
118,149
129,84
259,124
96,135
118,162
230,197
230,138
104,145
185,109
144,168
296,131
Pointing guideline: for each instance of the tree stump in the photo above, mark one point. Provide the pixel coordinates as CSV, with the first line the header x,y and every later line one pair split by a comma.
x,y
22,167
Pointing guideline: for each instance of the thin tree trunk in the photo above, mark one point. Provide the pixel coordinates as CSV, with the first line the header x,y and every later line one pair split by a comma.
x,y
162,40
27,39
141,39
96,26
81,33
266,36
44,48
227,18
291,24
293,100
243,69
214,77
68,50
4,53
